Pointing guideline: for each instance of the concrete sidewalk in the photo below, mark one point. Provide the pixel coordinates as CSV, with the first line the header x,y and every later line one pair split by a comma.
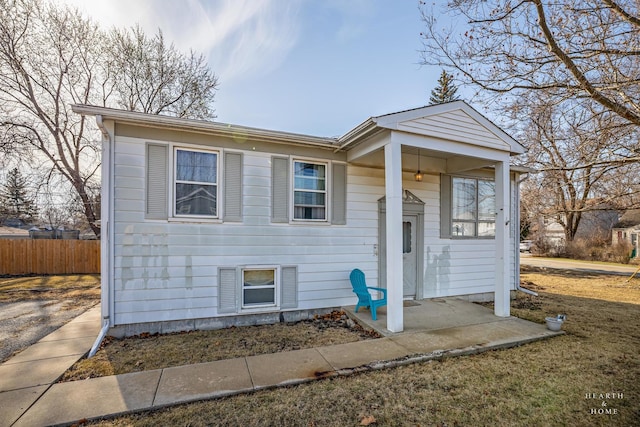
x,y
28,375
65,403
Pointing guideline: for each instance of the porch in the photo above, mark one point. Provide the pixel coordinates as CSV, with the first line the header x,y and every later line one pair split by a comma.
x,y
426,150
453,325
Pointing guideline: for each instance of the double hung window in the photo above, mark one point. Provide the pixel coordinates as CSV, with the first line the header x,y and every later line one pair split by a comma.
x,y
196,183
309,191
473,211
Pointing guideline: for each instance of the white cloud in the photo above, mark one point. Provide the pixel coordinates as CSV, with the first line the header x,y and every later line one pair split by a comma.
x,y
240,38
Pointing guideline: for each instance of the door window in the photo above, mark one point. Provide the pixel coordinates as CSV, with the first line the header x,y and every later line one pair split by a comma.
x,y
406,237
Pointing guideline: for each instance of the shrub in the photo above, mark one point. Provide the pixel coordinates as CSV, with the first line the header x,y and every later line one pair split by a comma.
x,y
597,249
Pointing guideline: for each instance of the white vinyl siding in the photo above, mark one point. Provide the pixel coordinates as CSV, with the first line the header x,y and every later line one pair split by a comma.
x,y
166,270
172,270
454,126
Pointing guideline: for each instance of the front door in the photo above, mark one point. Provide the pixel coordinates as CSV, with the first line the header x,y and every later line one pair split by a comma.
x,y
409,256
412,244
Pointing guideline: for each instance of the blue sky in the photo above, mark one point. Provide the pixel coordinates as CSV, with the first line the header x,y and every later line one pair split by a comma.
x,y
317,67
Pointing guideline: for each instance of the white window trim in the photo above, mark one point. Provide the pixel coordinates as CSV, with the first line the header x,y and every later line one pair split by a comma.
x,y
276,288
327,191
175,216
477,221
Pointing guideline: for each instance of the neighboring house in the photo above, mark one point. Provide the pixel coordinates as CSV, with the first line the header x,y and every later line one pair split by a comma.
x,y
627,231
594,225
208,224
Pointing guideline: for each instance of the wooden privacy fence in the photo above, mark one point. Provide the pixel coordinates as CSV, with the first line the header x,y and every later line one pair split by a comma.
x,y
33,256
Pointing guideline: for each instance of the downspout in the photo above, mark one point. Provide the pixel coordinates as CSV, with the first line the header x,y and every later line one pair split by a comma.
x,y
518,287
105,233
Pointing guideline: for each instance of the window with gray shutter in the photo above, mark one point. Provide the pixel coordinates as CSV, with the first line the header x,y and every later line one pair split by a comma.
x,y
227,290
339,194
232,187
279,189
157,176
289,287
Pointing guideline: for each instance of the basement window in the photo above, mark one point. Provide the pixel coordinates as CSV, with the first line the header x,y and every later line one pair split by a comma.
x,y
259,287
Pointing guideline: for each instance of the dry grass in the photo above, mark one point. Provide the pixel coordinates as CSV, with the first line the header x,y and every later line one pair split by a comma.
x,y
68,287
147,352
540,384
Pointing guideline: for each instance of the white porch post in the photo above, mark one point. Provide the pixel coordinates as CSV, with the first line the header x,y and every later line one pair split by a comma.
x,y
393,188
503,273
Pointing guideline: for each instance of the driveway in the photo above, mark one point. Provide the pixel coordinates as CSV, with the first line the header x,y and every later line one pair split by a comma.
x,y
23,323
583,266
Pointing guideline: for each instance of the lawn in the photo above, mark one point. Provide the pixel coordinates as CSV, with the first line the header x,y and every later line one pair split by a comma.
x,y
146,352
559,381
69,287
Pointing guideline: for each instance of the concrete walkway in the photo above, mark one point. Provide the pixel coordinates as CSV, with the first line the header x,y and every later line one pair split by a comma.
x,y
28,375
27,389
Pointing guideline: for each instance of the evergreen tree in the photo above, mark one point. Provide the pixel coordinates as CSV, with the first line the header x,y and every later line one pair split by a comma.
x,y
14,199
445,91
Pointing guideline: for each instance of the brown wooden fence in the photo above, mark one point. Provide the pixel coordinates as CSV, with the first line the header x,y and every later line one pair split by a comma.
x,y
27,256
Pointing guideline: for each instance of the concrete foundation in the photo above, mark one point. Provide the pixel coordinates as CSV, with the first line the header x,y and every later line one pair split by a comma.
x,y
211,323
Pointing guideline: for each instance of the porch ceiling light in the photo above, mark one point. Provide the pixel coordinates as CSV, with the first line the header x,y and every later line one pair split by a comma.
x,y
418,175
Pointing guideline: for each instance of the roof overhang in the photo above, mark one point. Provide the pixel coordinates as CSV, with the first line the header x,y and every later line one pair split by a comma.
x,y
203,126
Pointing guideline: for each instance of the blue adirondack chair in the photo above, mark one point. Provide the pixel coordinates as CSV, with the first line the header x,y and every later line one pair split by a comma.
x,y
361,289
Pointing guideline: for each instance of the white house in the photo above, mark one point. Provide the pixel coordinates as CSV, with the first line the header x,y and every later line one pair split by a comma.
x,y
207,224
627,231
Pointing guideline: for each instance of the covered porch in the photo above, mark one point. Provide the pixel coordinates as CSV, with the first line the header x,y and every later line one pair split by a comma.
x,y
440,141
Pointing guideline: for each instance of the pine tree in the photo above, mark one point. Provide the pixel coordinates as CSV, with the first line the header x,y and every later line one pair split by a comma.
x,y
14,199
445,91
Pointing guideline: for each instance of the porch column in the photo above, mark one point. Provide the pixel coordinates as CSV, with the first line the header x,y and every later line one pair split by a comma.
x,y
503,273
393,190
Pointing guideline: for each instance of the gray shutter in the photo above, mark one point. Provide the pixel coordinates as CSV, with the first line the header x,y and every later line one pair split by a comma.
x,y
227,290
232,187
289,287
445,206
157,181
279,189
339,194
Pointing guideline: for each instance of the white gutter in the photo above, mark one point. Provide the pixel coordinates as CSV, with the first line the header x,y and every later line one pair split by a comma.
x,y
359,131
518,287
203,126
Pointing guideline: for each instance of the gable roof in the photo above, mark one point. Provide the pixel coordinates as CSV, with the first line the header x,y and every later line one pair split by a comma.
x,y
453,120
630,218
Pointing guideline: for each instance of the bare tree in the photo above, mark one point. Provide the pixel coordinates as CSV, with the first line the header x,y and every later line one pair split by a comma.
x,y
51,57
581,156
575,49
565,77
155,78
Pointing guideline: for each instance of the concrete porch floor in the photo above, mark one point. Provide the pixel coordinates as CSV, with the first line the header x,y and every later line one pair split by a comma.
x,y
465,323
